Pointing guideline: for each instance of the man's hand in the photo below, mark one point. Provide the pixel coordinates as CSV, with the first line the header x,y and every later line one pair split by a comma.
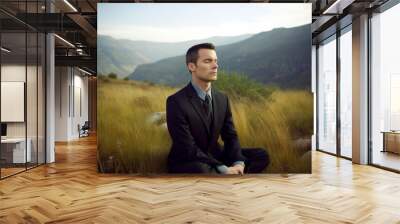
x,y
239,168
236,169
232,170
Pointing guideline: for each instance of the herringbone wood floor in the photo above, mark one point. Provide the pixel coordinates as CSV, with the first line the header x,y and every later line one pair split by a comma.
x,y
71,191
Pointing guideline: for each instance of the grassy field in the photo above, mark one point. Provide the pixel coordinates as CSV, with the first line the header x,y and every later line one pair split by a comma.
x,y
128,142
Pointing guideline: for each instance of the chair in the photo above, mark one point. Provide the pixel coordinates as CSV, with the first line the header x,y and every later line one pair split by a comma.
x,y
84,130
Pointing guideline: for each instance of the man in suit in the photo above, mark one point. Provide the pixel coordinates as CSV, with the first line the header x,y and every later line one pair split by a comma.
x,y
197,115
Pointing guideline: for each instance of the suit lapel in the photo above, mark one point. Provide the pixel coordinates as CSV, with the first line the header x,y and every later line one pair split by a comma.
x,y
195,101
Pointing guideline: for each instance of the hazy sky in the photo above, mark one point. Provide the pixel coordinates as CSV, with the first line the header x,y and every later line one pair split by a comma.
x,y
176,22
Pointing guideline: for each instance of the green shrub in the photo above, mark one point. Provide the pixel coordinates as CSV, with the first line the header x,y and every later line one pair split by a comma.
x,y
241,86
112,76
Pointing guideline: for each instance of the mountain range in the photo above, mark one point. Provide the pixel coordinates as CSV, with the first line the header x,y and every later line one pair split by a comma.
x,y
280,57
122,56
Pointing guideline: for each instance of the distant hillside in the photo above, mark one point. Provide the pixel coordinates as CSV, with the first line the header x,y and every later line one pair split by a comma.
x,y
122,56
281,56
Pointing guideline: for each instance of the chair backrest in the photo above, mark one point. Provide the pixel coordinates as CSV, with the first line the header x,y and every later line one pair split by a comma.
x,y
86,125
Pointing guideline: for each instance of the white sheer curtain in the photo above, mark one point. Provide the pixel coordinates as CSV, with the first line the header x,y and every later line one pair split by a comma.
x,y
327,96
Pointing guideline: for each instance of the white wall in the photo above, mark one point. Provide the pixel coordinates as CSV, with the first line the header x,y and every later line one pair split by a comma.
x,y
13,72
10,73
71,94
16,73
33,126
62,81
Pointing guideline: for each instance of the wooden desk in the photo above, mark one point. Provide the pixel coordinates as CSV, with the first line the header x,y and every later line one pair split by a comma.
x,y
391,141
16,147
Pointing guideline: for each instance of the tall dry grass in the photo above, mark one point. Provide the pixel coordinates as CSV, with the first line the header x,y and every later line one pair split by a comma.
x,y
128,142
125,135
276,124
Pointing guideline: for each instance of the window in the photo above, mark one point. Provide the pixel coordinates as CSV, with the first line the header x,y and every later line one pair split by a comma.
x,y
327,95
22,65
346,93
385,88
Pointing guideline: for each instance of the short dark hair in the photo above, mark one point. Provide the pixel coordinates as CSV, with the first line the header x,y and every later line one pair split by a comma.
x,y
193,53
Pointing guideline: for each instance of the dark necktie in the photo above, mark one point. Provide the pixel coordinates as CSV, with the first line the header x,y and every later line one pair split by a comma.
x,y
208,106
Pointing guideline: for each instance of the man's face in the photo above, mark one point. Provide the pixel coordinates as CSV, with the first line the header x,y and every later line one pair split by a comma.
x,y
206,67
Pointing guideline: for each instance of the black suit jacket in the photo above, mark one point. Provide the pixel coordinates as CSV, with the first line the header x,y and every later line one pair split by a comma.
x,y
191,139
